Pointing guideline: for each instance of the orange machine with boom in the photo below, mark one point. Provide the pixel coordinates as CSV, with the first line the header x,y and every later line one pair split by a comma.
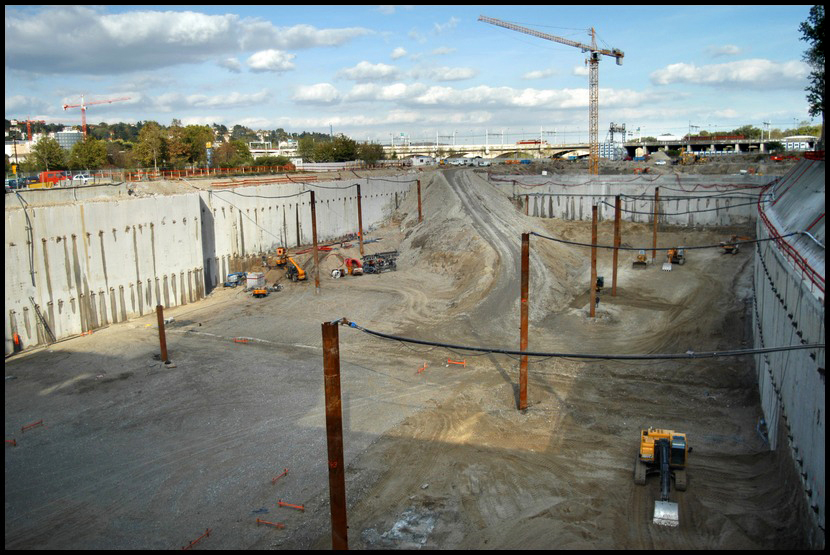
x,y
663,452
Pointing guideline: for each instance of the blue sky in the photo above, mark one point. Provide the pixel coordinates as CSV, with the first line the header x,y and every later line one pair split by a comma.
x,y
376,72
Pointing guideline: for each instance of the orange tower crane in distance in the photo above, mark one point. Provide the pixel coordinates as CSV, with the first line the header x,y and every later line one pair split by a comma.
x,y
83,106
593,78
29,121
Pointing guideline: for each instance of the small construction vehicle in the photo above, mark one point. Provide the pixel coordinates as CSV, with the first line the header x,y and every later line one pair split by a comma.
x,y
641,261
663,452
731,246
260,292
382,261
674,256
294,272
234,279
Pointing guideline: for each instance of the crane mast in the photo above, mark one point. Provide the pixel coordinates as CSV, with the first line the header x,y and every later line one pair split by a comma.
x,y
593,77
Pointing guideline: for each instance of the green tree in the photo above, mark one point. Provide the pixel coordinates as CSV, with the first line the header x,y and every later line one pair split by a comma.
x,y
344,149
272,161
48,155
812,31
178,149
233,154
89,154
748,131
370,153
197,137
305,149
151,150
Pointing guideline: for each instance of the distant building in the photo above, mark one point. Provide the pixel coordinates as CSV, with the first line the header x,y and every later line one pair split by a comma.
x,y
423,161
799,142
67,139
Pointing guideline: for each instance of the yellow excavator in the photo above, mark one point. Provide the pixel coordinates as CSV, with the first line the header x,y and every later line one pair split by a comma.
x,y
294,272
674,256
732,246
641,260
663,452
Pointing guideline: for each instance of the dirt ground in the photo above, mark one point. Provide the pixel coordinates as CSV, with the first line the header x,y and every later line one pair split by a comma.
x,y
134,454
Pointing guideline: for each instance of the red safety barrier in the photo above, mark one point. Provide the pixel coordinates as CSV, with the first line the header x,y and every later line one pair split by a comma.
x,y
194,542
274,524
28,427
274,480
283,504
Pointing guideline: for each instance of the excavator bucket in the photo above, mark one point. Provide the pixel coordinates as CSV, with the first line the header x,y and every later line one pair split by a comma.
x,y
666,513
667,266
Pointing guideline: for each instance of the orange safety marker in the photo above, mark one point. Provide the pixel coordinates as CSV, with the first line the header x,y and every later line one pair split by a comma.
x,y
240,339
298,507
32,425
422,368
462,362
274,480
12,442
274,524
194,542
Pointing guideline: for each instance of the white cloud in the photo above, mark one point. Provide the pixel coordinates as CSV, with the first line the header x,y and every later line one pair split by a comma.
x,y
231,64
271,60
449,25
399,52
23,106
539,74
169,102
96,43
756,73
365,71
321,93
724,50
442,51
445,73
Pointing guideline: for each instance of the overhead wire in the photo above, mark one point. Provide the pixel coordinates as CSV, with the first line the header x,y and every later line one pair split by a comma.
x,y
595,356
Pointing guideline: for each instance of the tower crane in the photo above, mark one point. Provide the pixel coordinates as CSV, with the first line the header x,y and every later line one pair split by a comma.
x,y
83,106
593,77
29,121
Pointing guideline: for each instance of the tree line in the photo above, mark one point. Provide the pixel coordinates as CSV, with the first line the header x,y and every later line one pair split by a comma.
x,y
149,145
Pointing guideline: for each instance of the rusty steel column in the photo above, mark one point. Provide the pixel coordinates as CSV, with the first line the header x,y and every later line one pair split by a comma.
x,y
359,219
617,216
334,436
314,241
527,205
656,212
524,312
162,338
420,215
593,261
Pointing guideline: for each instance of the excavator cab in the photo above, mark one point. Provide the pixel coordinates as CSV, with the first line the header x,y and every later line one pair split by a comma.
x,y
665,453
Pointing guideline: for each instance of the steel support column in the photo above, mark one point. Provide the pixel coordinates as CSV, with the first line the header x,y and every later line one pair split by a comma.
x,y
334,436
656,213
524,311
617,216
360,219
314,242
162,336
593,301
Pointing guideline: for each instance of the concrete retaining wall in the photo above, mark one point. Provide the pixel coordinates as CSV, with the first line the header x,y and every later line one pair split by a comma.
x,y
72,267
789,310
695,201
